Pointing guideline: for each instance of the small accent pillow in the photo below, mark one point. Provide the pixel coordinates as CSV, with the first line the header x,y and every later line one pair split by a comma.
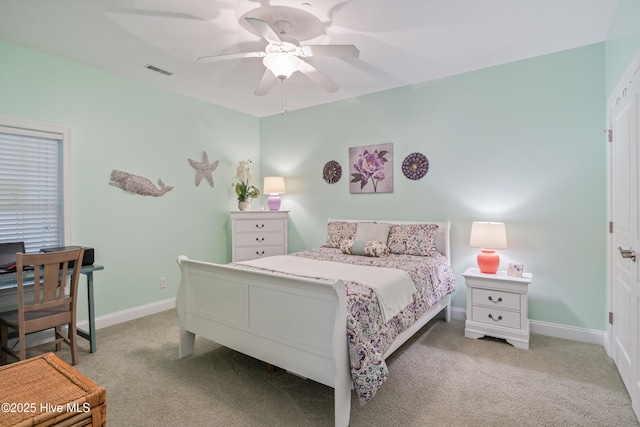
x,y
337,231
372,231
412,239
364,248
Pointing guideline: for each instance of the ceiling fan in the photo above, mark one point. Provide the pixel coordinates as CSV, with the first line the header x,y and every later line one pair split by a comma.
x,y
284,55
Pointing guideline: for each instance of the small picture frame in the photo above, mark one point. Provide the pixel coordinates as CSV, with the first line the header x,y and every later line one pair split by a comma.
x,y
515,270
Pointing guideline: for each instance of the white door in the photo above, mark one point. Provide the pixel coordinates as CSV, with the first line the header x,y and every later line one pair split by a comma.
x,y
624,193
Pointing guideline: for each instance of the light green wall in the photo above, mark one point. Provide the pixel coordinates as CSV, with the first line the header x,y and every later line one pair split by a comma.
x,y
520,143
623,41
120,124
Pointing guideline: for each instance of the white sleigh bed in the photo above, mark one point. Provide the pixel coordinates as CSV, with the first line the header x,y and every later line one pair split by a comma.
x,y
298,323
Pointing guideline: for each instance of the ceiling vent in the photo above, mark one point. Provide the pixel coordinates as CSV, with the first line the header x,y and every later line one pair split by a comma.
x,y
158,70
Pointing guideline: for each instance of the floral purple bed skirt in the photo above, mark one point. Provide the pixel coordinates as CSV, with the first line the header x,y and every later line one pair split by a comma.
x,y
368,336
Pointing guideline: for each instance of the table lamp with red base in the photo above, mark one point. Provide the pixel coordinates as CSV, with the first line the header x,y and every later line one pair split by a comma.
x,y
488,236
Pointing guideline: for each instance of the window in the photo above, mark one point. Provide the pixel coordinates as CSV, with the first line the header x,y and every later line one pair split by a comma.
x,y
35,185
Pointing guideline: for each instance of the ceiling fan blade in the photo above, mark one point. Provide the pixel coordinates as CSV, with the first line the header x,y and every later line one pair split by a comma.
x,y
319,78
264,30
154,13
339,50
228,56
265,83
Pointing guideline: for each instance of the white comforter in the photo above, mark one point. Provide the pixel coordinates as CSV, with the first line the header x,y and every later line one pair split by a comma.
x,y
394,288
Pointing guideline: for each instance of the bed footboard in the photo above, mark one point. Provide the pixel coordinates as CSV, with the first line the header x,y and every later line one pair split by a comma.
x,y
294,323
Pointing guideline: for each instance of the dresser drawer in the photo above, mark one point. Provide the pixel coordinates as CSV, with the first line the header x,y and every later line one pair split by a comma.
x,y
243,254
493,298
258,234
496,317
252,225
259,239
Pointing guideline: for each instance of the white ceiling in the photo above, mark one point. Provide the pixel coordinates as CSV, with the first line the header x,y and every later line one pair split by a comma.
x,y
401,42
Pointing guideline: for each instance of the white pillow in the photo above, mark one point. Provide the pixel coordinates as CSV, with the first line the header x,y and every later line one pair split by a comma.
x,y
372,231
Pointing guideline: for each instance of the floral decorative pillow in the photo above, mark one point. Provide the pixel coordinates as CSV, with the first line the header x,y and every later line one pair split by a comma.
x,y
364,248
337,231
412,239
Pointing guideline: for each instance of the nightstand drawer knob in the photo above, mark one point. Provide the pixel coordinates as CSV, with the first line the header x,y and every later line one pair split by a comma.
x,y
259,239
260,253
495,320
259,225
495,301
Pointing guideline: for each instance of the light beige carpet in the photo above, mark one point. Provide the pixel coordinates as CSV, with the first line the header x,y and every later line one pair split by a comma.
x,y
439,378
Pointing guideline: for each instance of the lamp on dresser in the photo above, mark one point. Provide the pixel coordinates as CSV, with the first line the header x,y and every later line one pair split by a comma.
x,y
488,236
273,186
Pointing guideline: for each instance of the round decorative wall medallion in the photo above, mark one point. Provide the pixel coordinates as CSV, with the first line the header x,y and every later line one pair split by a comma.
x,y
332,172
415,166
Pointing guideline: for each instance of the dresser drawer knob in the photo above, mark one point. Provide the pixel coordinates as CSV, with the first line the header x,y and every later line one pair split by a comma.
x,y
495,320
259,239
259,225
262,253
495,301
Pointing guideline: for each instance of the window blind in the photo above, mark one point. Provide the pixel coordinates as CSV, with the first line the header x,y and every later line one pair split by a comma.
x,y
31,188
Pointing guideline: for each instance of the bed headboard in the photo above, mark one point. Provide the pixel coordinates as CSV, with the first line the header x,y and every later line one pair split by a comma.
x,y
442,236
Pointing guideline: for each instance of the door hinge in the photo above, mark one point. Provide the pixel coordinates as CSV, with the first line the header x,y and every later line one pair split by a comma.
x,y
610,226
610,135
610,318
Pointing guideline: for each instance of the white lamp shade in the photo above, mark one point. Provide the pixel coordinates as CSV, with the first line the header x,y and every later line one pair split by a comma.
x,y
273,185
488,235
282,65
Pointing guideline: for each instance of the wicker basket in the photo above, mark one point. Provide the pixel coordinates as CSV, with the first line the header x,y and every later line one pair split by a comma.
x,y
45,391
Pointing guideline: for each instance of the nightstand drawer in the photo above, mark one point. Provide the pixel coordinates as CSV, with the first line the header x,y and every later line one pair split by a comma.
x,y
259,239
243,254
497,306
493,298
252,225
496,317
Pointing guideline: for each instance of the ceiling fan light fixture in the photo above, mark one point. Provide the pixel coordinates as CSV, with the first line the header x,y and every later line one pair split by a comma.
x,y
282,65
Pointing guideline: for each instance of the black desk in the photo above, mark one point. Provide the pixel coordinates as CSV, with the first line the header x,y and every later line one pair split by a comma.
x,y
10,280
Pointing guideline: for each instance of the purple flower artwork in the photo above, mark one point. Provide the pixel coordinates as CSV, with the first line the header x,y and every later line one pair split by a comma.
x,y
371,169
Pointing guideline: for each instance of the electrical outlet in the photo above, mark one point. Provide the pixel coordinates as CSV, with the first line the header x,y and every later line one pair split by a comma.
x,y
163,282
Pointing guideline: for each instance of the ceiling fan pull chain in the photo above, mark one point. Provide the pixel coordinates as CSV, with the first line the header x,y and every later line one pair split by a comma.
x,y
283,97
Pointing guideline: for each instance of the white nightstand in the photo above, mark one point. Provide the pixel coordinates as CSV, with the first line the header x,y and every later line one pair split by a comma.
x,y
257,234
497,306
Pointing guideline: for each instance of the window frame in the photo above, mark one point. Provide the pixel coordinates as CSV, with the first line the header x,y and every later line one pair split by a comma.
x,y
63,133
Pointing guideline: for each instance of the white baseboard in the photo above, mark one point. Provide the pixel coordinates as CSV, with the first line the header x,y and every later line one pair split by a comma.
x,y
458,313
572,333
103,321
537,327
551,329
130,314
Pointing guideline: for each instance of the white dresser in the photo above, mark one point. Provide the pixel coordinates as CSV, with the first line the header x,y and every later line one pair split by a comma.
x,y
497,306
257,234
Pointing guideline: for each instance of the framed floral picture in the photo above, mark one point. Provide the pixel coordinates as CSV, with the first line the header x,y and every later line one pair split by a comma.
x,y
371,168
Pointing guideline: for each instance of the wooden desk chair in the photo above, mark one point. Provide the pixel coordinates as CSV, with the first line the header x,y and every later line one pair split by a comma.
x,y
50,308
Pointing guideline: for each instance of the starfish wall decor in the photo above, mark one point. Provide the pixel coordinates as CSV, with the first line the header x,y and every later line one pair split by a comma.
x,y
204,169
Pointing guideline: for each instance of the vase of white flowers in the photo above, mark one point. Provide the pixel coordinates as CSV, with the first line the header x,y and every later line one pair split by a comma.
x,y
244,190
